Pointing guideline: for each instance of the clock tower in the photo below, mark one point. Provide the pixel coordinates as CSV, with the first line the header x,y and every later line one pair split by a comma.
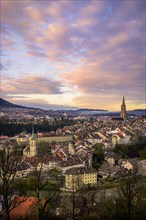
x,y
32,141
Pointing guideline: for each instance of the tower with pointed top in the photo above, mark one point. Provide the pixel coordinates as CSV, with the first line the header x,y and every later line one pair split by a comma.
x,y
33,148
123,110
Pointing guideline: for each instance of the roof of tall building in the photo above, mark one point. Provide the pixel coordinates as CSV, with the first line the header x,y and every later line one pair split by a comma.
x,y
80,170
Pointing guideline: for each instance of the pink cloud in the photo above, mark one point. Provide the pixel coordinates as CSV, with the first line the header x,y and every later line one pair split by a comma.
x,y
30,84
94,46
54,9
56,32
92,7
34,14
107,73
117,40
85,22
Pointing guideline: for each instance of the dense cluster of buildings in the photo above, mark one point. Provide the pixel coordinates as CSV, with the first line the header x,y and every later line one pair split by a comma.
x,y
74,158
73,147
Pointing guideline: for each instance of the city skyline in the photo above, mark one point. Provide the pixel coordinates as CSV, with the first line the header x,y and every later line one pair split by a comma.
x,y
73,54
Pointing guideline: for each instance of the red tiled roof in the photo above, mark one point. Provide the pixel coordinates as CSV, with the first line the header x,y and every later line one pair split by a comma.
x,y
23,207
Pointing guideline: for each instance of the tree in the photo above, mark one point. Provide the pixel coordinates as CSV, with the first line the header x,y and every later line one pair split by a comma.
x,y
56,177
88,199
128,194
43,148
98,156
142,153
69,204
51,189
21,186
8,168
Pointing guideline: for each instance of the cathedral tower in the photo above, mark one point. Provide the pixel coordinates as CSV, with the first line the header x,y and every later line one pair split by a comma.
x,y
123,110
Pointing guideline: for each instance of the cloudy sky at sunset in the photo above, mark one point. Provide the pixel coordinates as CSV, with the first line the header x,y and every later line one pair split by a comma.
x,y
73,53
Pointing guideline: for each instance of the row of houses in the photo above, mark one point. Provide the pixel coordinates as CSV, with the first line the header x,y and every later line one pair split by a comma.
x,y
107,132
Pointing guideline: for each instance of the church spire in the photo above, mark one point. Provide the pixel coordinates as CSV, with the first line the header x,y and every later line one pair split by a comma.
x,y
123,110
123,101
33,135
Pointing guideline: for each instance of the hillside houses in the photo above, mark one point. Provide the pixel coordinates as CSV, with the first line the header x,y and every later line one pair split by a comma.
x,y
77,152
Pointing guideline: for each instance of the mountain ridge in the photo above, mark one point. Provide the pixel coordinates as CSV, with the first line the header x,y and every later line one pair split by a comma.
x,y
4,103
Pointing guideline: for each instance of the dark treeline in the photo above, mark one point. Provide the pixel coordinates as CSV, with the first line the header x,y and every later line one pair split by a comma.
x,y
11,128
132,150
98,155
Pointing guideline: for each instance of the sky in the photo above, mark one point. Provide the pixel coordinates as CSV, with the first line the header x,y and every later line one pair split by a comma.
x,y
67,54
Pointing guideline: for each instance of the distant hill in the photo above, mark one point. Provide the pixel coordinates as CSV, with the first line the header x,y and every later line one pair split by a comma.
x,y
4,103
93,110
136,112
